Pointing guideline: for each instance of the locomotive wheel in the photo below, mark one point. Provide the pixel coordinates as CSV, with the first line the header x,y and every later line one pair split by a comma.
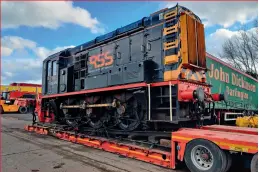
x,y
71,121
95,119
23,110
69,118
132,116
203,155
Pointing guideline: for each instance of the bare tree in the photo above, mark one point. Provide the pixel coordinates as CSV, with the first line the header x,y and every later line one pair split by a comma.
x,y
241,50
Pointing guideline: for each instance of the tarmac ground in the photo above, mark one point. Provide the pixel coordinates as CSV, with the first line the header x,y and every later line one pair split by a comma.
x,y
29,152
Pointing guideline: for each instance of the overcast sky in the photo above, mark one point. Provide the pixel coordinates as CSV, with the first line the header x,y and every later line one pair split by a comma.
x,y
33,30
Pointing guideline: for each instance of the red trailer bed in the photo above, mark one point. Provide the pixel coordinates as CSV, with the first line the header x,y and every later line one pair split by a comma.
x,y
220,138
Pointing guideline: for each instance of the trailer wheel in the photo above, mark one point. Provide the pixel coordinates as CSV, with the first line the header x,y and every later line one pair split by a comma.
x,y
224,161
1,110
254,163
23,109
229,161
202,155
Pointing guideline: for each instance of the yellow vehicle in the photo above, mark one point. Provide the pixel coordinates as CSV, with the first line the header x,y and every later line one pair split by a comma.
x,y
247,121
16,101
6,105
17,97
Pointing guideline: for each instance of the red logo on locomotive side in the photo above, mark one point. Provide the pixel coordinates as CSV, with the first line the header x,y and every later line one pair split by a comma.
x,y
101,60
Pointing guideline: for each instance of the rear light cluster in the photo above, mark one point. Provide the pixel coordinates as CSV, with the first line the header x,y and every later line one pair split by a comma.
x,y
220,97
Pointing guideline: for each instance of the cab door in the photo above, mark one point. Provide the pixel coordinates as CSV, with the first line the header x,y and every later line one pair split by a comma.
x,y
48,76
52,77
154,52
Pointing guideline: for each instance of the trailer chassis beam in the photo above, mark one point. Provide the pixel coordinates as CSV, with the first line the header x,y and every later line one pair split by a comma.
x,y
153,156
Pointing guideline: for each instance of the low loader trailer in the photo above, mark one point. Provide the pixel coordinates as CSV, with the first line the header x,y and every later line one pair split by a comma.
x,y
208,148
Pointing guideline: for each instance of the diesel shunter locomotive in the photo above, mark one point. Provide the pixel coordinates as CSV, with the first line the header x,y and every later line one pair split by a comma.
x,y
147,75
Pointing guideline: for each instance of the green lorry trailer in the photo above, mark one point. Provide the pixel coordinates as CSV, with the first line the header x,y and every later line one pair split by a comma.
x,y
241,88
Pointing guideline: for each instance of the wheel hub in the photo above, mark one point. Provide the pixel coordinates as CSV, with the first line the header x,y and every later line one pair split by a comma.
x,y
202,157
205,156
121,110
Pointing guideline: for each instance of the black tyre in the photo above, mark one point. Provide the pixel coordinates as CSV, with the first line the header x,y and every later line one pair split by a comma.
x,y
1,110
224,161
229,161
23,110
254,163
203,155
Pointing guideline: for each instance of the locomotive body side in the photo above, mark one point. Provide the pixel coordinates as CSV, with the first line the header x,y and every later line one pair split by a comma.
x,y
148,73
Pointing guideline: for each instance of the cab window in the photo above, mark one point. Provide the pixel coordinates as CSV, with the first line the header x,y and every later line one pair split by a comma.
x,y
49,68
5,95
54,68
